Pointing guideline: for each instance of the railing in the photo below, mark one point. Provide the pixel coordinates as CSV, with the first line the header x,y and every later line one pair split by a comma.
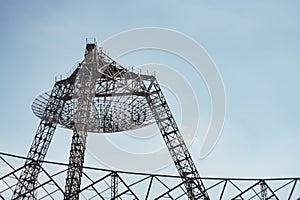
x,y
66,75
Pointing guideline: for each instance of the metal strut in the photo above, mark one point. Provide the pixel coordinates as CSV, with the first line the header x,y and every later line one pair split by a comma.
x,y
175,143
114,186
27,182
84,91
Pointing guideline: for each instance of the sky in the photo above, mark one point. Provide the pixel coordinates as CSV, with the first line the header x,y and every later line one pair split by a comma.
x,y
255,46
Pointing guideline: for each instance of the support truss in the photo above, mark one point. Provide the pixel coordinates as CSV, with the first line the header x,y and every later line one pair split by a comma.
x,y
84,92
175,143
41,142
103,184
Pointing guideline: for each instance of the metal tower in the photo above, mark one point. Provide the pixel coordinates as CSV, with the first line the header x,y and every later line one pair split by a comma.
x,y
103,97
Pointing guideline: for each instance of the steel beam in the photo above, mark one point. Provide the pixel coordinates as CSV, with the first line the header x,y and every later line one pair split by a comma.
x,y
84,91
28,178
175,143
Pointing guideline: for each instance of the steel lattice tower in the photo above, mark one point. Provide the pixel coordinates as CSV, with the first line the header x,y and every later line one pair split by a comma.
x,y
103,97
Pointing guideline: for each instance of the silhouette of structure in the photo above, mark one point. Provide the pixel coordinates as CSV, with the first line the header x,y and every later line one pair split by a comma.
x,y
102,96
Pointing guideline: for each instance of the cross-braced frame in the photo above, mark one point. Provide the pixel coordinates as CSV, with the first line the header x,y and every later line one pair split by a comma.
x,y
102,96
106,184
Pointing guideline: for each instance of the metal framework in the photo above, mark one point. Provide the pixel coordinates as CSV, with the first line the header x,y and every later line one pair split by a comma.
x,y
175,143
107,184
114,185
84,91
102,96
53,105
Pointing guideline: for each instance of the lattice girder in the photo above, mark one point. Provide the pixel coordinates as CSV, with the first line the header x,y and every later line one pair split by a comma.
x,y
175,143
28,178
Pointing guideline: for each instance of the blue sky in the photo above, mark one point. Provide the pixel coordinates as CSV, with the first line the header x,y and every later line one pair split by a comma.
x,y
255,45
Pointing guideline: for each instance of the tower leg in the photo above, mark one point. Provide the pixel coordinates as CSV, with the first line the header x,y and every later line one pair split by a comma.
x,y
175,143
84,91
76,160
27,182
